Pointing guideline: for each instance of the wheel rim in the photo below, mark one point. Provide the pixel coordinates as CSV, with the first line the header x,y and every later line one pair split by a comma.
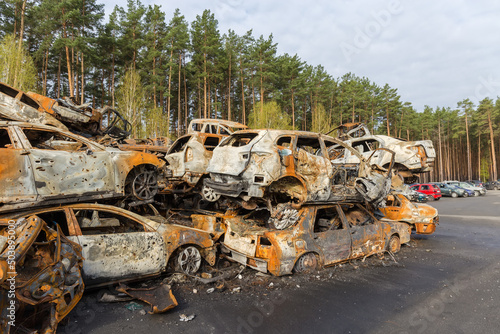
x,y
454,195
306,263
209,194
189,260
145,185
394,245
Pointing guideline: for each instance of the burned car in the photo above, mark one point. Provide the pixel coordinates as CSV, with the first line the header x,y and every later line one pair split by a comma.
x,y
410,156
119,245
187,161
42,165
214,126
293,166
322,235
422,218
40,269
16,105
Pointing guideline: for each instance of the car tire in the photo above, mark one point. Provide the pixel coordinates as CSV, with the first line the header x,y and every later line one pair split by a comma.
x,y
306,263
142,183
476,193
209,194
188,260
394,244
430,198
454,195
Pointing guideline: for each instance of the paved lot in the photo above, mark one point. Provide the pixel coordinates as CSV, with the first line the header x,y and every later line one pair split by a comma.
x,y
448,282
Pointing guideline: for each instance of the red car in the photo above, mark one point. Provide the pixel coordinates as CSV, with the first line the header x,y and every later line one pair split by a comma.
x,y
431,190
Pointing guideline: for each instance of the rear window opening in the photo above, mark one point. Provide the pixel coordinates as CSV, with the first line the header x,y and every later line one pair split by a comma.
x,y
179,145
5,139
211,143
238,140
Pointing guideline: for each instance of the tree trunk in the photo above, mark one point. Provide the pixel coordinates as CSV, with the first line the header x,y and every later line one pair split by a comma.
x,y
492,140
179,109
82,100
169,85
229,91
469,158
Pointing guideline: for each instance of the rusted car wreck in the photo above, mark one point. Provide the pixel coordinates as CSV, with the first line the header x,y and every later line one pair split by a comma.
x,y
322,235
278,166
411,157
119,245
42,165
63,113
40,276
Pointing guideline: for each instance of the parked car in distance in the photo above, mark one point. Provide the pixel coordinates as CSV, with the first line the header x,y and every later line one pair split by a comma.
x,y
321,236
492,185
476,183
422,218
477,190
43,165
120,245
432,191
449,190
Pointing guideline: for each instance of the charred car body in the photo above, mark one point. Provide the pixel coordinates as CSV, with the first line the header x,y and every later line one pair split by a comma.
x,y
422,218
42,165
119,245
410,156
47,275
63,113
295,166
321,236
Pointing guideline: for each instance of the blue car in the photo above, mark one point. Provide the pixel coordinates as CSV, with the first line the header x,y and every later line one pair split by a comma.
x,y
467,192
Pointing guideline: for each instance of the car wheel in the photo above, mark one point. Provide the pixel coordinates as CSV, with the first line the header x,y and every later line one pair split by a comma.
x,y
394,244
454,195
476,193
188,260
143,184
306,263
430,198
209,194
466,194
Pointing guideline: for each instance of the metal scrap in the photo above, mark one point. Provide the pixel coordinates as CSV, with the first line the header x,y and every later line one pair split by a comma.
x,y
48,280
160,298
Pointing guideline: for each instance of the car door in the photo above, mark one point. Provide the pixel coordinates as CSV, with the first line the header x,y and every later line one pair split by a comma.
x,y
312,164
64,165
116,246
331,235
16,177
366,232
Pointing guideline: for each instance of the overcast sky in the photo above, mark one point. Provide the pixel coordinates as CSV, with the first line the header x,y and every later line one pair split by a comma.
x,y
435,53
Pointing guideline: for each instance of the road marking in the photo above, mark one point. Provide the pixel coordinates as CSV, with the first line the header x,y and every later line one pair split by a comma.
x,y
472,217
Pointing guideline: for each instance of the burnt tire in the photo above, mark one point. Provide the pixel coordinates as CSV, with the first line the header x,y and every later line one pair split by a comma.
x,y
187,260
454,195
394,244
142,183
306,263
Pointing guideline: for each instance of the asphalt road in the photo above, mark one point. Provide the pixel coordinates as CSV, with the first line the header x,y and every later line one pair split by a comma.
x,y
448,282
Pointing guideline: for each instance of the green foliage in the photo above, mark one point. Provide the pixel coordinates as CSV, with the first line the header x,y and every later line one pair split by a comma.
x,y
16,65
321,122
131,101
270,117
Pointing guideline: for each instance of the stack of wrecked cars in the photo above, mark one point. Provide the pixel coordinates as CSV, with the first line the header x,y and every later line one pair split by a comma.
x,y
280,202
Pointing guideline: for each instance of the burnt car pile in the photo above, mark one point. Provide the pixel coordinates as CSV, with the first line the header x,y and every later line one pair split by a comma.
x,y
280,202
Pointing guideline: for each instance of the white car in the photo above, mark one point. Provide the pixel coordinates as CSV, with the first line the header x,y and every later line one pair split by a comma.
x,y
410,156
